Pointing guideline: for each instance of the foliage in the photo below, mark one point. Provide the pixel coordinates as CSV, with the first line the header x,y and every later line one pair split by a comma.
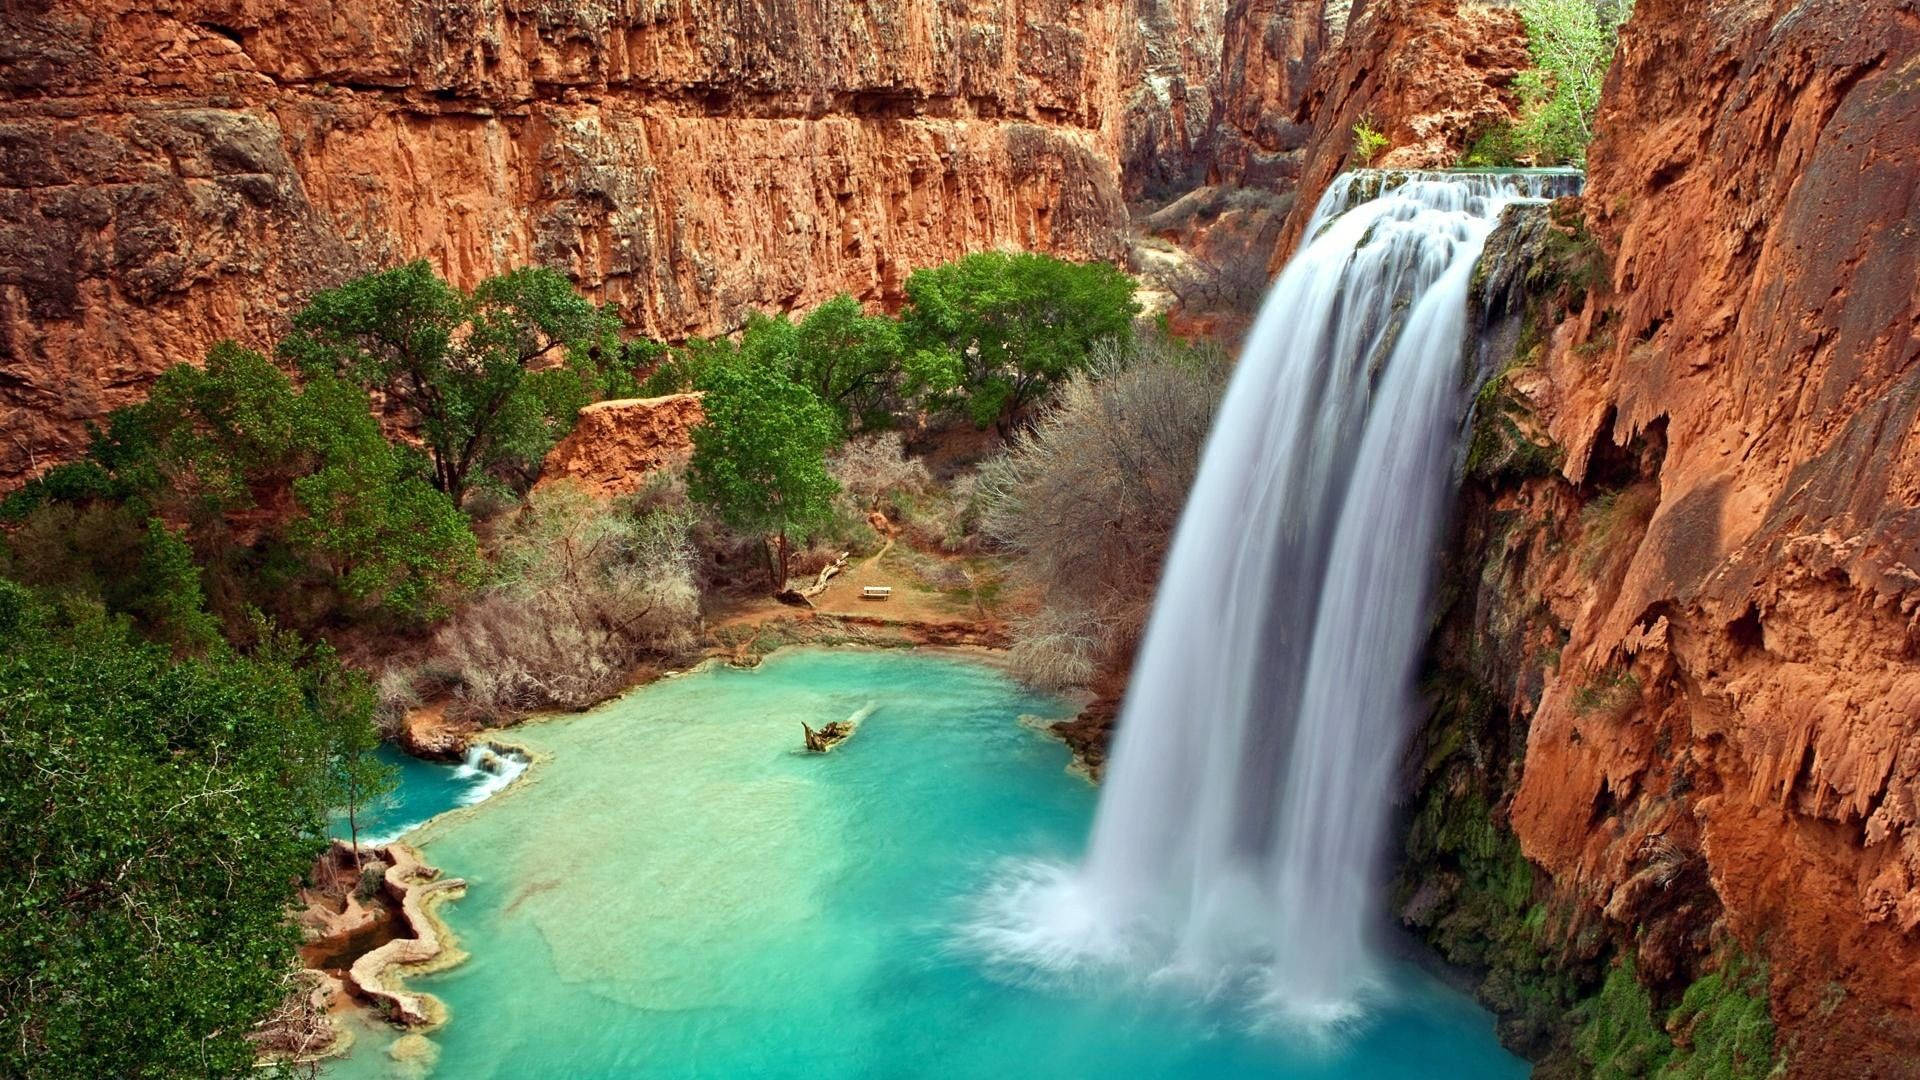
x,y
1618,1039
679,369
1722,1025
1614,521
994,333
310,465
136,567
152,813
1572,42
759,458
1610,691
490,379
585,591
850,360
1368,141
1087,501
1720,1030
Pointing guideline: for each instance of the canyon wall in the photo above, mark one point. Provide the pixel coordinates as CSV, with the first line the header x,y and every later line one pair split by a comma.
x,y
175,173
1428,75
1684,646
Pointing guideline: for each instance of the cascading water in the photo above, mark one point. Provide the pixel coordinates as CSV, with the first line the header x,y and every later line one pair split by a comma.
x,y
1249,789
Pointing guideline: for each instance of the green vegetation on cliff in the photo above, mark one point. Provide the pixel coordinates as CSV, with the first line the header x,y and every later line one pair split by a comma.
x,y
1719,1030
1572,42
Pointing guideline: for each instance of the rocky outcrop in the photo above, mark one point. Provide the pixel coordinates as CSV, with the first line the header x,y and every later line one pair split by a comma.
x,y
1693,668
617,446
1270,51
414,888
173,175
1429,75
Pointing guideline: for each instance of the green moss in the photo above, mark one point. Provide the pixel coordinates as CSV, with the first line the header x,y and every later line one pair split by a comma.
x,y
1499,452
1720,1030
1618,1039
1723,1026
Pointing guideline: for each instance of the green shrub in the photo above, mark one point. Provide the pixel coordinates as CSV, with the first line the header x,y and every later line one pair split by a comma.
x,y
319,489
1572,43
1368,141
153,812
993,333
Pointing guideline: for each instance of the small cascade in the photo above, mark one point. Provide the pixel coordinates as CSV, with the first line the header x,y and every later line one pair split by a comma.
x,y
487,770
1240,832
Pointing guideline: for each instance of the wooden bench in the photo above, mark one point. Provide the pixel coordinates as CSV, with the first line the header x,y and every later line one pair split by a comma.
x,y
876,592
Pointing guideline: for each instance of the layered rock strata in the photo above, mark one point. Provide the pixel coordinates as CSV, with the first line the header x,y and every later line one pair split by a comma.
x,y
173,175
1697,556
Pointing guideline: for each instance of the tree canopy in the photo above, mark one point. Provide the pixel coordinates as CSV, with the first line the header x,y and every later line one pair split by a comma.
x,y
237,438
1007,328
489,379
153,812
759,458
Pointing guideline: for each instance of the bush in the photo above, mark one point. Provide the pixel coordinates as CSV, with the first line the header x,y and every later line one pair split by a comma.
x,y
107,552
1572,42
1619,1039
586,590
873,469
153,812
1368,141
1087,501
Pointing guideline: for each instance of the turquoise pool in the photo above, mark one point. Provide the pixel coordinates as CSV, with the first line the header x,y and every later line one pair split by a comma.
x,y
676,891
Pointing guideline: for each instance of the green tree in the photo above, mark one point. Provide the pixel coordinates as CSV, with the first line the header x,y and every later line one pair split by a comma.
x,y
237,427
995,332
489,379
153,812
132,563
759,458
1572,43
308,467
850,360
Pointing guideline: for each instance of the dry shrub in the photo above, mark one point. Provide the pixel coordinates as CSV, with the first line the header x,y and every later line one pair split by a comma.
x,y
1086,502
585,591
872,468
397,693
945,519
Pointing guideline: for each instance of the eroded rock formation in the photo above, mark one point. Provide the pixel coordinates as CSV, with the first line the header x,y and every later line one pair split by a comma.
x,y
617,446
173,175
1427,74
1696,515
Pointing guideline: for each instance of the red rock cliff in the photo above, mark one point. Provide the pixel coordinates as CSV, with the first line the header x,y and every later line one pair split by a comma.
x,y
1736,562
175,173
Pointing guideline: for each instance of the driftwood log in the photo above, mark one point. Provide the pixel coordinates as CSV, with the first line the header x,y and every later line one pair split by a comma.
x,y
823,740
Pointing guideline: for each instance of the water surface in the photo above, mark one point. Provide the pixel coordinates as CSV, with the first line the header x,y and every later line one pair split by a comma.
x,y
676,892
423,790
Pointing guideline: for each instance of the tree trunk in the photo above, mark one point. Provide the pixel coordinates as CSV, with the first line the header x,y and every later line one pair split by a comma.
x,y
777,557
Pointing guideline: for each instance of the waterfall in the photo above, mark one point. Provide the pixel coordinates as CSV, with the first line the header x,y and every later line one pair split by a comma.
x,y
488,771
1240,831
